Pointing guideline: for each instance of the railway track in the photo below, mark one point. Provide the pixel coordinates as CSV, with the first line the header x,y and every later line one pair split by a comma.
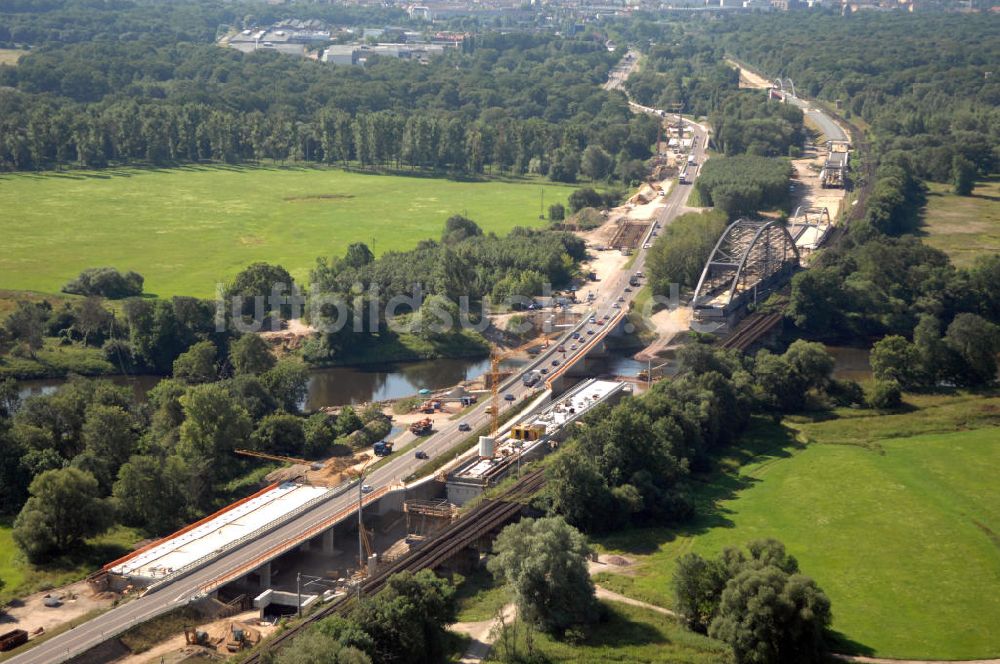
x,y
753,328
481,520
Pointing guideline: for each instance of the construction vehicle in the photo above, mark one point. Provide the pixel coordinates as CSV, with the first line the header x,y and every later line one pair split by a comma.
x,y
195,637
12,639
422,427
239,636
314,465
430,407
527,432
383,448
496,357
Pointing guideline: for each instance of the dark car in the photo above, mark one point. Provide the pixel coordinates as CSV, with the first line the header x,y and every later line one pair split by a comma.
x,y
543,371
421,454
508,397
555,363
465,426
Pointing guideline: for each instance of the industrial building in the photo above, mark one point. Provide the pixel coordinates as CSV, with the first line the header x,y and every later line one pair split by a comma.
x,y
357,54
531,438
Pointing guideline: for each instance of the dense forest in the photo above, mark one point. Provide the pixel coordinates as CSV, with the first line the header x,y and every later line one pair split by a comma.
x,y
925,85
50,23
507,102
924,92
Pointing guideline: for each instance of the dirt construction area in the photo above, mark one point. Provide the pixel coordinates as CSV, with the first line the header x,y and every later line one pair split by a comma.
x,y
67,603
807,191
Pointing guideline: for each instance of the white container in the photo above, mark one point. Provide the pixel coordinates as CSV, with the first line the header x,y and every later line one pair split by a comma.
x,y
486,445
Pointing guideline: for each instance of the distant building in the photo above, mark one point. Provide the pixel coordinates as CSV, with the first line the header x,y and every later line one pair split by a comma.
x,y
357,54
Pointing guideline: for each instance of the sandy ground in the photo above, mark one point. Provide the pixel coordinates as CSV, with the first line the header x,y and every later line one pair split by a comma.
x,y
667,324
176,644
295,333
808,193
30,613
750,80
482,634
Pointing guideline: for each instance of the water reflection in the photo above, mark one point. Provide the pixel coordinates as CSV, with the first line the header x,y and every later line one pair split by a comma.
x,y
351,385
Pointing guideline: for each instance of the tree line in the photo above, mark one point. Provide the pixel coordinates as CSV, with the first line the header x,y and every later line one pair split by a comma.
x,y
742,185
510,103
631,464
44,23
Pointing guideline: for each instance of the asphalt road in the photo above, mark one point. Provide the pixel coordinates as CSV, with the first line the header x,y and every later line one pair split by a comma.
x,y
826,124
179,591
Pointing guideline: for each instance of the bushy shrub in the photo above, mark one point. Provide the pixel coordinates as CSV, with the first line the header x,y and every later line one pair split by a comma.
x,y
106,282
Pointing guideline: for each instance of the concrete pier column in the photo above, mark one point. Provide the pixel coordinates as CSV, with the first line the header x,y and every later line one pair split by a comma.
x,y
328,543
265,576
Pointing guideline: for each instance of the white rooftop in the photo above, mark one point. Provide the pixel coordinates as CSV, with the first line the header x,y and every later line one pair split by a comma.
x,y
557,415
178,550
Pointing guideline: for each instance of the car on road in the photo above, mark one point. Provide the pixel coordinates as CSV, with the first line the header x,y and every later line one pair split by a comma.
x,y
600,322
662,193
561,349
593,319
628,289
616,305
508,397
366,488
621,298
576,335
465,426
647,245
590,331
555,363
573,347
420,454
543,370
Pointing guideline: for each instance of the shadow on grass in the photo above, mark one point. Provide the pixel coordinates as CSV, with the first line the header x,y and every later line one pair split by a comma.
x,y
131,170
844,645
617,630
764,442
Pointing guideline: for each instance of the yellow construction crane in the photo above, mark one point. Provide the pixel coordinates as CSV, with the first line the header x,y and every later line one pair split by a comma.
x,y
498,355
277,457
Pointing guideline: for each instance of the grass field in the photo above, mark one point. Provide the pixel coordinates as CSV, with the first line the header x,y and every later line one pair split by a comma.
x,y
9,56
964,226
20,577
896,517
633,635
185,229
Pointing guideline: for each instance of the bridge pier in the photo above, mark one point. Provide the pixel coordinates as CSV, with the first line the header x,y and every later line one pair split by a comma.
x,y
264,572
327,542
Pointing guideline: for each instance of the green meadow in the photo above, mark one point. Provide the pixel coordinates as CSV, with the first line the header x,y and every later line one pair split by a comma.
x,y
897,517
963,227
186,229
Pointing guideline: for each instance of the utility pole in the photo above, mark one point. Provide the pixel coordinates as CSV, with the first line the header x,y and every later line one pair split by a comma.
x,y
298,591
361,525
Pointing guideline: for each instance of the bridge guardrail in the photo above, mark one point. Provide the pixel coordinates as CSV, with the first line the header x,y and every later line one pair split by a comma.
x,y
204,560
292,542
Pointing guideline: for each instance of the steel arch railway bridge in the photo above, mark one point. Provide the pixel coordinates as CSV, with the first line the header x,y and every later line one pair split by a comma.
x,y
751,258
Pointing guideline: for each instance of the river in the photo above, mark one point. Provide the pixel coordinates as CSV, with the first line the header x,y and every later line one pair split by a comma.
x,y
336,386
339,386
